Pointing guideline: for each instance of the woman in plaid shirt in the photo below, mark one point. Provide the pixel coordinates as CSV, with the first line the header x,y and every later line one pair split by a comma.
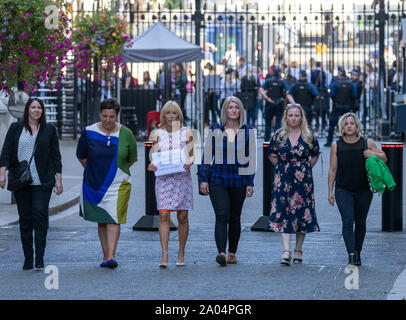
x,y
227,174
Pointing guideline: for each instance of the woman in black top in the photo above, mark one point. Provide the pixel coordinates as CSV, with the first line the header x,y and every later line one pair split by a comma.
x,y
352,192
34,136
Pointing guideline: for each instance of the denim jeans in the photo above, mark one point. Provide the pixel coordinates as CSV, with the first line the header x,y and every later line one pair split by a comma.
x,y
32,205
227,204
353,207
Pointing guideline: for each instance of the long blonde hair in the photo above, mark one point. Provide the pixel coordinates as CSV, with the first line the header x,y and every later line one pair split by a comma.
x,y
304,128
223,115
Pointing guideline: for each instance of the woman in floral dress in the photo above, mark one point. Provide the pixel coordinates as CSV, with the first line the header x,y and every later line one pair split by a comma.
x,y
174,192
294,152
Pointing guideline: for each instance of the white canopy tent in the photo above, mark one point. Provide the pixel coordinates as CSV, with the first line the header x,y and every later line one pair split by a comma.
x,y
159,44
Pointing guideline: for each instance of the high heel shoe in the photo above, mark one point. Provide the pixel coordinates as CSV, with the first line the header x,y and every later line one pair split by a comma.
x,y
287,261
297,260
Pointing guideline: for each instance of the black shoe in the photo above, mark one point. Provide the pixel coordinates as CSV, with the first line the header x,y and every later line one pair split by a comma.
x,y
351,259
357,258
327,145
28,264
221,260
39,263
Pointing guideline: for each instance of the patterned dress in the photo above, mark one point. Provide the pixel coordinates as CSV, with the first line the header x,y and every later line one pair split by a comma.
x,y
106,179
174,191
293,206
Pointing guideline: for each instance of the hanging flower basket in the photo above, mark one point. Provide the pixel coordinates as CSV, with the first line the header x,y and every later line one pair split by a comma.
x,y
33,42
99,42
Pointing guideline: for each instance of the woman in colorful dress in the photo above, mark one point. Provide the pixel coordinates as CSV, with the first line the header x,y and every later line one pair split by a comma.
x,y
227,181
106,150
294,152
174,191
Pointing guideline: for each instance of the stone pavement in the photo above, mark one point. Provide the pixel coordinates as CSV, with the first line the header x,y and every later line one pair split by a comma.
x,y
74,248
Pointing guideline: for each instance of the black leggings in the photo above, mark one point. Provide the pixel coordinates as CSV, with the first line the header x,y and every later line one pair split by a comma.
x,y
227,204
353,207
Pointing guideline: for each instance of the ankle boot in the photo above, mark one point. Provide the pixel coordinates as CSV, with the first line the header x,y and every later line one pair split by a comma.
x,y
357,258
351,259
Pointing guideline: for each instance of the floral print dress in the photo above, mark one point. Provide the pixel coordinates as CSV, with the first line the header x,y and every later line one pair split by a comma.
x,y
293,206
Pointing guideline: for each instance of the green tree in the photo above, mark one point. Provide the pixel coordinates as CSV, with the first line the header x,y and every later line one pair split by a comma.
x,y
173,3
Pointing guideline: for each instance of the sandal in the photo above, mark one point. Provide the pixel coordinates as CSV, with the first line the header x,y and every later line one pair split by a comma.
x,y
231,259
297,260
287,261
221,259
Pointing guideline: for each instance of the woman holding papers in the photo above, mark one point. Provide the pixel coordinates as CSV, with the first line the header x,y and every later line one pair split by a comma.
x,y
172,157
106,150
228,179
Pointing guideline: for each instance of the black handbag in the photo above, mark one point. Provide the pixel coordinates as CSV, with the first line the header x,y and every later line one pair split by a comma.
x,y
19,175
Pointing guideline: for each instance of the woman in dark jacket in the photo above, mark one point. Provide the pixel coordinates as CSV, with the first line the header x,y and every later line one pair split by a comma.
x,y
33,136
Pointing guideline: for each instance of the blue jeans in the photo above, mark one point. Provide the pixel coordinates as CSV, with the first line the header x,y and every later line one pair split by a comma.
x,y
353,207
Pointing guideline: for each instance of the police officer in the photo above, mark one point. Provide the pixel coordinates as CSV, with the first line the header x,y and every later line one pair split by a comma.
x,y
274,96
304,93
343,92
318,78
355,79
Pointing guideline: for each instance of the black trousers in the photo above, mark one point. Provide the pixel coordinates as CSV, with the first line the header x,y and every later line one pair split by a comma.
x,y
227,204
33,204
353,207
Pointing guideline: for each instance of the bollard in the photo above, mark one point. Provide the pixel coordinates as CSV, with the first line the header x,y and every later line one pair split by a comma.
x,y
267,173
150,221
392,206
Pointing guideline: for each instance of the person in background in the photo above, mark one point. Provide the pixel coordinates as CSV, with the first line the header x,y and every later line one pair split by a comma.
x,y
33,137
229,85
343,92
303,93
180,83
147,83
318,78
249,93
274,92
348,174
242,67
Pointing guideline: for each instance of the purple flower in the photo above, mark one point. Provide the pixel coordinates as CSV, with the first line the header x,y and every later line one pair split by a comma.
x,y
26,35
5,23
22,20
3,30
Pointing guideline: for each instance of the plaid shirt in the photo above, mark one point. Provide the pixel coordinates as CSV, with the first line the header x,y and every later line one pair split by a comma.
x,y
224,174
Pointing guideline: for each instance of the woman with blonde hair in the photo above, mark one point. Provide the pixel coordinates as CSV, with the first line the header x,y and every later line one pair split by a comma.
x,y
223,179
294,152
173,191
352,192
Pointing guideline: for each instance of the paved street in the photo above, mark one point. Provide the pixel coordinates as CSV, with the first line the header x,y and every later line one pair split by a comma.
x,y
73,247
